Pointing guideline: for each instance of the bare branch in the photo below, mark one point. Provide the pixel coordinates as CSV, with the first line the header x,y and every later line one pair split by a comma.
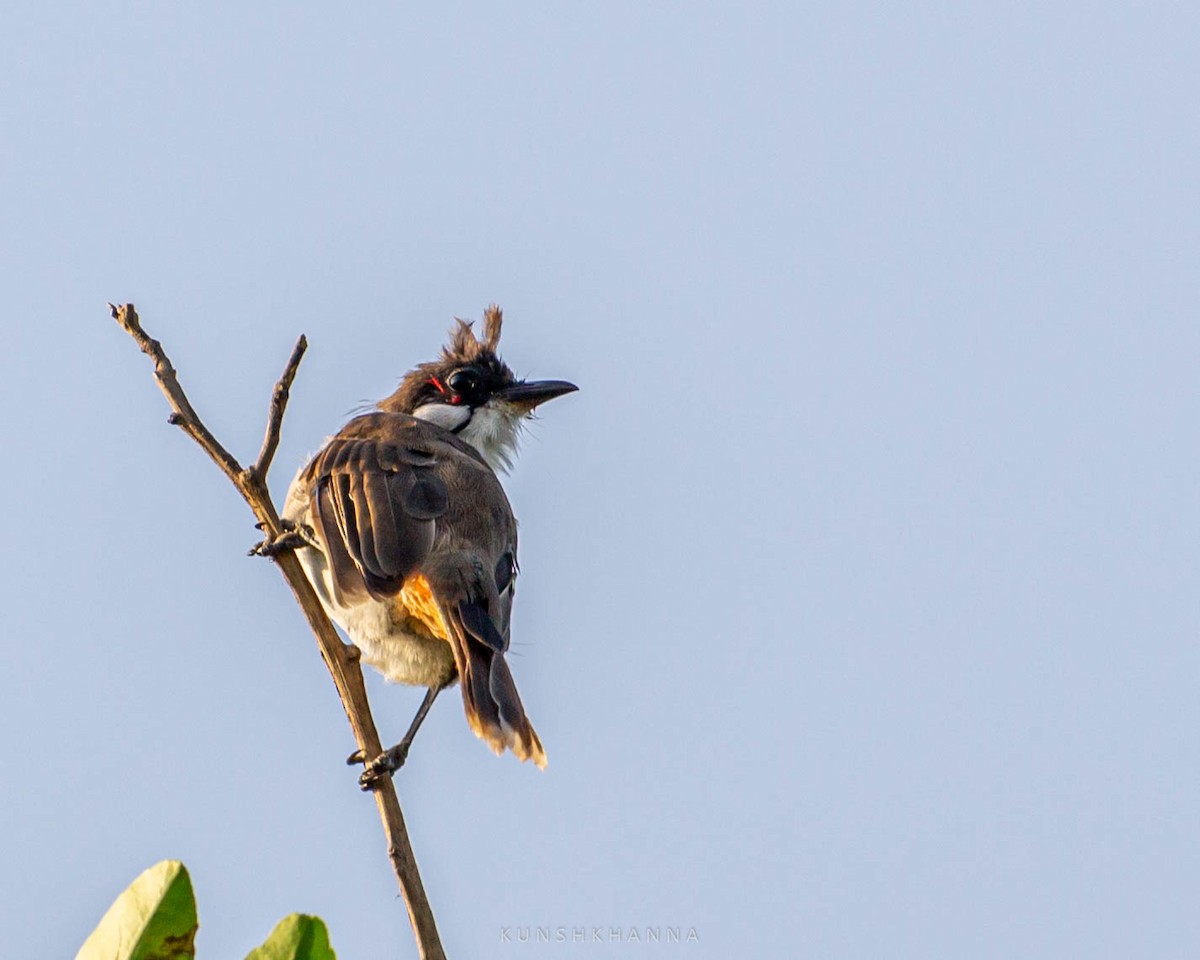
x,y
279,399
164,373
342,660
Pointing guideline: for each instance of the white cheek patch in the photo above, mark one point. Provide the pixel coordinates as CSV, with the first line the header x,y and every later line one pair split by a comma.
x,y
493,432
444,415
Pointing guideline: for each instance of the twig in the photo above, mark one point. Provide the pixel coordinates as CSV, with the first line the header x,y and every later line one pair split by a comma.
x,y
279,399
184,416
342,660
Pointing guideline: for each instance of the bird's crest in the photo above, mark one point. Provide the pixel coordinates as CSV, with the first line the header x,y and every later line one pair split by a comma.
x,y
465,347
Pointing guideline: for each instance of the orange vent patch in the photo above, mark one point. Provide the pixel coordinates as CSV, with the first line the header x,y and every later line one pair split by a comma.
x,y
415,603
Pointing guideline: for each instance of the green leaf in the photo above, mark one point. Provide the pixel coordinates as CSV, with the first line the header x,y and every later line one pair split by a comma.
x,y
154,919
298,937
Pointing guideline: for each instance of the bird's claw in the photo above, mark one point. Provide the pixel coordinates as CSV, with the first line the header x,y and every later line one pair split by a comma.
x,y
290,539
383,766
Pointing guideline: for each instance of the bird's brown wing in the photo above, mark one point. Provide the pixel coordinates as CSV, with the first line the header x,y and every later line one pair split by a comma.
x,y
375,494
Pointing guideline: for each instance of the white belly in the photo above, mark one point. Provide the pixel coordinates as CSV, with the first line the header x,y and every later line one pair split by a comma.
x,y
402,656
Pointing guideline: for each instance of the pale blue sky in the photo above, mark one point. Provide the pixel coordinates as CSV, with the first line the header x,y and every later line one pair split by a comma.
x,y
858,611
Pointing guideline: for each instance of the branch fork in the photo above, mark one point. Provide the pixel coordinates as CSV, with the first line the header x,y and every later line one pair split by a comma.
x,y
279,543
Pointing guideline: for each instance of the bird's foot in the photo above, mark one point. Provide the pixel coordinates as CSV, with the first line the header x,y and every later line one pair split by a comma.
x,y
383,766
292,538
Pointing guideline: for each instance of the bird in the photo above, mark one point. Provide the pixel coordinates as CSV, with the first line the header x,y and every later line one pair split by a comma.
x,y
409,539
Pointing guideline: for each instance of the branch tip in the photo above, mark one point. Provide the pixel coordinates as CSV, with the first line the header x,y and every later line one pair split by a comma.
x,y
279,399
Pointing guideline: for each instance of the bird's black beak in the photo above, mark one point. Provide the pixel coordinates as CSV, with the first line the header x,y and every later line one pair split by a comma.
x,y
531,393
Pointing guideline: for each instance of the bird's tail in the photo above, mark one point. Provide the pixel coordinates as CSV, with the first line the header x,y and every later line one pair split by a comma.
x,y
490,697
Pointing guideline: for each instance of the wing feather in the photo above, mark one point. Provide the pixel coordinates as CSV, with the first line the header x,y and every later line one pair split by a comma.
x,y
376,503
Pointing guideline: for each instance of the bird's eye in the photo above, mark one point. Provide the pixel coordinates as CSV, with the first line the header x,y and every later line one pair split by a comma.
x,y
464,383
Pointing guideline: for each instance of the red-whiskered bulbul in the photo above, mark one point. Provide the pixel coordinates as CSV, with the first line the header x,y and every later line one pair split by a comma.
x,y
410,540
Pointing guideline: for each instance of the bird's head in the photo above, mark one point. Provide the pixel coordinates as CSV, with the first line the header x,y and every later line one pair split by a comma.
x,y
471,392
